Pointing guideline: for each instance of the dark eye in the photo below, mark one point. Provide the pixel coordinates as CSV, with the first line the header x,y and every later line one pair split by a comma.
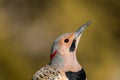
x,y
66,40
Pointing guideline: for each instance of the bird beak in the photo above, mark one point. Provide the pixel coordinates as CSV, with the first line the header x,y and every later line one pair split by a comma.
x,y
81,29
77,36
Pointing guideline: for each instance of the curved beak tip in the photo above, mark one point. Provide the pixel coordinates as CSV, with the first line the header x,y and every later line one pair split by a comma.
x,y
82,28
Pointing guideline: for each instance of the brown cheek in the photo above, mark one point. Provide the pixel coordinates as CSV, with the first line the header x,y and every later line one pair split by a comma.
x,y
67,45
62,44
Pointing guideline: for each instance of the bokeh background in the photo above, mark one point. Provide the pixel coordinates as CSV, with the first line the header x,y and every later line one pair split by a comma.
x,y
29,27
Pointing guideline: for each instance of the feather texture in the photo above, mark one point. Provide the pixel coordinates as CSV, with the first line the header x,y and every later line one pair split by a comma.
x,y
48,73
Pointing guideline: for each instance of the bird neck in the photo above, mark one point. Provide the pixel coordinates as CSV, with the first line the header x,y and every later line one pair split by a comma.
x,y
71,63
57,61
66,62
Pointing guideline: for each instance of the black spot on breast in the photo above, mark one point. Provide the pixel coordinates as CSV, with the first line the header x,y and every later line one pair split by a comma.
x,y
80,75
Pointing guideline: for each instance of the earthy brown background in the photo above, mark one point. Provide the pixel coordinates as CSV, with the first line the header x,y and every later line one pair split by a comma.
x,y
28,28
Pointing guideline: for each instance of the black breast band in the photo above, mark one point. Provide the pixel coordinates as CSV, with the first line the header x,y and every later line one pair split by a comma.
x,y
80,75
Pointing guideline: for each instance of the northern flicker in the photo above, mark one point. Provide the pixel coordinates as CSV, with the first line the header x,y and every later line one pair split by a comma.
x,y
63,62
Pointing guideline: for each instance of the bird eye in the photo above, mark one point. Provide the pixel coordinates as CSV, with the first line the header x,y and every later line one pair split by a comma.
x,y
66,40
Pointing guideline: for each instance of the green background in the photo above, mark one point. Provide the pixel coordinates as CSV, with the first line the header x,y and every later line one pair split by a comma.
x,y
29,27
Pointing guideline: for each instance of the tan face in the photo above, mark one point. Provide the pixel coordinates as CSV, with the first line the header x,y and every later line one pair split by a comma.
x,y
65,44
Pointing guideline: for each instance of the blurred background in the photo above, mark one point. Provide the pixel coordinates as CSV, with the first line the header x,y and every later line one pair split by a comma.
x,y
29,27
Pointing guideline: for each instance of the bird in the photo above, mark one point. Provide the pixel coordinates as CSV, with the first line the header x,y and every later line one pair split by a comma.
x,y
63,63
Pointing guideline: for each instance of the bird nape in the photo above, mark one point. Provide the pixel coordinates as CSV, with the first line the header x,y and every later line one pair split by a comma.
x,y
63,62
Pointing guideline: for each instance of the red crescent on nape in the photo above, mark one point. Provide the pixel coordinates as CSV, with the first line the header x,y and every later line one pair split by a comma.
x,y
52,55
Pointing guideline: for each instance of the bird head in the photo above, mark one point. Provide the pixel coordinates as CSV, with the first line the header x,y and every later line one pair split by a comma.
x,y
65,46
